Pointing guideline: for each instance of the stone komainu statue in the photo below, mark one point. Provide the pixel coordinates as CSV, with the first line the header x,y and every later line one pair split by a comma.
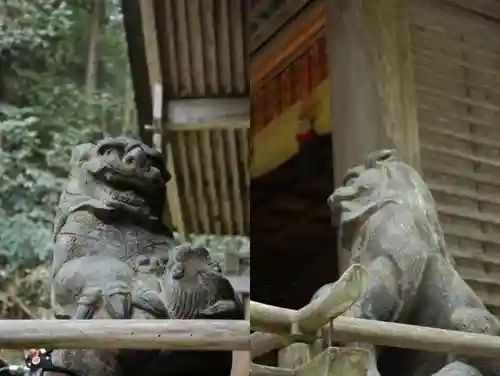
x,y
389,222
109,225
111,248
113,254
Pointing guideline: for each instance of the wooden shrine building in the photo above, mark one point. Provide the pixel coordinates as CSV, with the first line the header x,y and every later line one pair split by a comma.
x,y
420,76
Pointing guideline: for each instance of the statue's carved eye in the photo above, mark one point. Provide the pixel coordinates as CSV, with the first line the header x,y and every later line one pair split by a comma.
x,y
385,156
107,149
350,178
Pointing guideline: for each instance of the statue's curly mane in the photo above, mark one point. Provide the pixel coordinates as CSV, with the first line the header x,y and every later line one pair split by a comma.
x,y
100,182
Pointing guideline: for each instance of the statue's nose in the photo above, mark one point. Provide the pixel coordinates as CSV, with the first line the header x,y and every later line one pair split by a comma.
x,y
136,157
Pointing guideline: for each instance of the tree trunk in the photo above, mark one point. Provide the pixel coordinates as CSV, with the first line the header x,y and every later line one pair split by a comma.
x,y
128,107
95,27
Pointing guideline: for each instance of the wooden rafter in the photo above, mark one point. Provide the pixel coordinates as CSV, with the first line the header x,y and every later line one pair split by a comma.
x,y
173,206
290,42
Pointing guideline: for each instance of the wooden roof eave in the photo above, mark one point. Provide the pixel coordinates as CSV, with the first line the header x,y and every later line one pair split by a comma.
x,y
138,66
290,42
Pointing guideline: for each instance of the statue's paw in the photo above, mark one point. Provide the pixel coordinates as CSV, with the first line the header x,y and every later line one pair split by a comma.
x,y
475,320
149,301
87,304
119,306
222,310
85,312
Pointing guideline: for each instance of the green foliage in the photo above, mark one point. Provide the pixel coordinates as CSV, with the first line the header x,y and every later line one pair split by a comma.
x,y
43,48
33,166
43,51
31,24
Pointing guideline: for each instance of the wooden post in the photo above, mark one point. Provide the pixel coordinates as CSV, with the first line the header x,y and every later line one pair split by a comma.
x,y
294,355
173,213
371,73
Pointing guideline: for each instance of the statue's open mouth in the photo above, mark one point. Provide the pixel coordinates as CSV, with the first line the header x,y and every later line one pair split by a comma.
x,y
144,182
128,165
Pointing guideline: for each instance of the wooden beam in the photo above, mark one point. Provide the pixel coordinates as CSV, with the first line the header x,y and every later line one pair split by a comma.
x,y
208,113
288,44
267,17
372,81
125,334
348,329
307,320
150,43
138,66
490,10
185,111
372,84
173,212
210,125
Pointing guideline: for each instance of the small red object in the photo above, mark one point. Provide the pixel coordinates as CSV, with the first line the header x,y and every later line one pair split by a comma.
x,y
33,356
305,137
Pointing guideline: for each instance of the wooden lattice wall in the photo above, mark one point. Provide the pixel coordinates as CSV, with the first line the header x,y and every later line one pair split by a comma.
x,y
456,58
213,179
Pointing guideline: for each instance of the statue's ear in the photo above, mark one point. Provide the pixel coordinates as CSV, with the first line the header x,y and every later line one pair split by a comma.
x,y
380,156
81,153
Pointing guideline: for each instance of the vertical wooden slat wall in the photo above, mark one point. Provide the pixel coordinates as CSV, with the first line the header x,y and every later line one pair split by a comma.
x,y
212,173
456,57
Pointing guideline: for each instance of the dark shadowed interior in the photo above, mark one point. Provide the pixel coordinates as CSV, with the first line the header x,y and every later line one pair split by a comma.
x,y
293,242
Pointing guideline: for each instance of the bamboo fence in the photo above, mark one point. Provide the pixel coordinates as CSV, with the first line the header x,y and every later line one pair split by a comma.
x,y
279,328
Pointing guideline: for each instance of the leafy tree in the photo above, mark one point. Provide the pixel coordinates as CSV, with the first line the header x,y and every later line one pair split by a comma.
x,y
44,112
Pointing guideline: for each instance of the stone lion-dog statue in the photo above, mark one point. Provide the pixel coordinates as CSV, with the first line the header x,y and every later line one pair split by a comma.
x,y
388,221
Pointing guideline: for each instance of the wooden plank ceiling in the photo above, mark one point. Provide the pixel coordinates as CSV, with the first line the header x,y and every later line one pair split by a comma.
x,y
202,49
267,17
456,58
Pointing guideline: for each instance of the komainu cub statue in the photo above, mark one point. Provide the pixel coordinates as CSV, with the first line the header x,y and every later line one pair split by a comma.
x,y
193,287
388,221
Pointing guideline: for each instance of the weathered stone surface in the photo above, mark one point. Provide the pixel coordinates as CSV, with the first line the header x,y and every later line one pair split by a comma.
x,y
389,222
111,248
111,208
194,287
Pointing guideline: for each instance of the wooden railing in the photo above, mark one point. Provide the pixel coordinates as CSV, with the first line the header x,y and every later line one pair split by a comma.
x,y
125,334
298,332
